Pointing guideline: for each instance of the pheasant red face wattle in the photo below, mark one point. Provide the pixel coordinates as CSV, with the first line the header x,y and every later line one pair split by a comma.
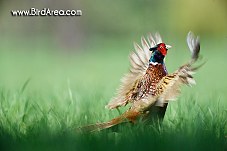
x,y
162,48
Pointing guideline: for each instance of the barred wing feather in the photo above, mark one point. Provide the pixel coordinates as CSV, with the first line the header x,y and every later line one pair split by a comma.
x,y
169,86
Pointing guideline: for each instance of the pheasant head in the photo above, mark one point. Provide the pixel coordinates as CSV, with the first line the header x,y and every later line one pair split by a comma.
x,y
159,53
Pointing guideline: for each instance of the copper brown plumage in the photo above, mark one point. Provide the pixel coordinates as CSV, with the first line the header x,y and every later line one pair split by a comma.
x,y
148,86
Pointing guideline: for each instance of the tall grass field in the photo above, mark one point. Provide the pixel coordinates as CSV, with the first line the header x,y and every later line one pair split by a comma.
x,y
46,94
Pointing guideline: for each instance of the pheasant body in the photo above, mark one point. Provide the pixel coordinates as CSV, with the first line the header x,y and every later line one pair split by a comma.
x,y
155,73
148,86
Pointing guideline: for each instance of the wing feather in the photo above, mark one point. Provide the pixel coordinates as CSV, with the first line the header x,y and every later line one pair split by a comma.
x,y
158,38
193,45
151,40
169,86
139,60
146,48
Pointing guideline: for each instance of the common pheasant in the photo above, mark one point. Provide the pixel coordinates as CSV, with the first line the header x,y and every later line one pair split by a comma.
x,y
148,86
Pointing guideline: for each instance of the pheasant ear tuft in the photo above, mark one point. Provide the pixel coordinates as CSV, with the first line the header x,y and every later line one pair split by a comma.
x,y
153,48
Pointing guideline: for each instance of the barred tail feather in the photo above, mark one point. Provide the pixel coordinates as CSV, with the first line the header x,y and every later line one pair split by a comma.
x,y
101,126
129,115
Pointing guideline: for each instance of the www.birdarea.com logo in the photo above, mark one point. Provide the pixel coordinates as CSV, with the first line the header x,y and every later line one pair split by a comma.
x,y
46,12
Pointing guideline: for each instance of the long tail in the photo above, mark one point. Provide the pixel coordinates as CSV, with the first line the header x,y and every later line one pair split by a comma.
x,y
128,116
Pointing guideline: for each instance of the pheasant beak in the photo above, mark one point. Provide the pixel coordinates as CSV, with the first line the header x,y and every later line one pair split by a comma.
x,y
168,46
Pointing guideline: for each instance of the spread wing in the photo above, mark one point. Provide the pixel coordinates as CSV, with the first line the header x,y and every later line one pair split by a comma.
x,y
169,87
139,60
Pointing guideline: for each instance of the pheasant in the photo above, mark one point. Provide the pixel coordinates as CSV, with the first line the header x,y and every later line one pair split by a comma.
x,y
148,87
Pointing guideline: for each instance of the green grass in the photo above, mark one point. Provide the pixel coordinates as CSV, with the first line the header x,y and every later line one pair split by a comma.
x,y
44,97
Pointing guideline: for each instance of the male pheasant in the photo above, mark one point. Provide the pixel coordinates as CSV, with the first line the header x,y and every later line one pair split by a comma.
x,y
148,86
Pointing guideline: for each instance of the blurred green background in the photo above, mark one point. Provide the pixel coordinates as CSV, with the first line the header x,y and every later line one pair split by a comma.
x,y
74,64
92,49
